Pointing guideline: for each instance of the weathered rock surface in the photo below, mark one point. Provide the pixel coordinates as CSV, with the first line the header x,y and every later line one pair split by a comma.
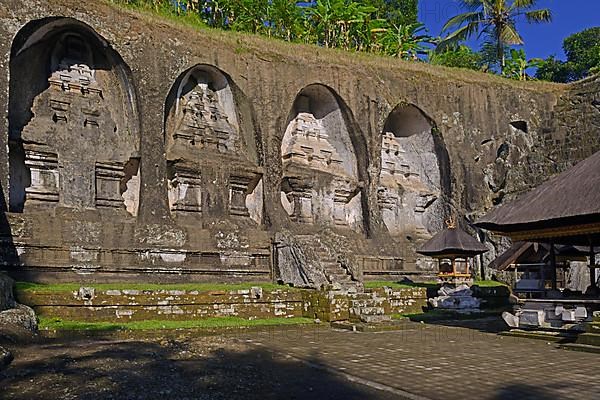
x,y
7,299
6,357
91,197
21,316
455,298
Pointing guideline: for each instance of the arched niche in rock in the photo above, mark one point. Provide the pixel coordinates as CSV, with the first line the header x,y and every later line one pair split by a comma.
x,y
73,121
211,148
414,177
320,182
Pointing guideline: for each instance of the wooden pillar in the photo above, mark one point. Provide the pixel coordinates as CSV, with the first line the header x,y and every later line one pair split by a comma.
x,y
553,264
592,268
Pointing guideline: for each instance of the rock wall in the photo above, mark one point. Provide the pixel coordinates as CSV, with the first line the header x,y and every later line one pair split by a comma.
x,y
135,148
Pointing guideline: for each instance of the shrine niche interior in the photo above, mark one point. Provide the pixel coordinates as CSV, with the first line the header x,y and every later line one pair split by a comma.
x,y
212,163
410,192
320,182
73,129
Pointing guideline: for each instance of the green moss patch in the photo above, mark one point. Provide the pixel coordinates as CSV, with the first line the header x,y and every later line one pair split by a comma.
x,y
200,287
49,323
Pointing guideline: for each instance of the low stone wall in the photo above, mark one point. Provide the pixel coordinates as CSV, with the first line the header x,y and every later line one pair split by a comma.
x,y
89,304
403,301
327,307
93,305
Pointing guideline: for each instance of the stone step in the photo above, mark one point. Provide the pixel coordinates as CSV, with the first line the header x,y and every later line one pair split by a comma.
x,y
339,278
592,327
549,336
374,319
592,339
370,311
365,303
581,347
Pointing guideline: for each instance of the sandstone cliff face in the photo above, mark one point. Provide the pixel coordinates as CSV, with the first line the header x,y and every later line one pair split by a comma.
x,y
185,172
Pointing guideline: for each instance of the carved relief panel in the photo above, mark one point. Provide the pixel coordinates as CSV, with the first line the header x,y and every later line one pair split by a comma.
x,y
76,143
204,146
319,182
409,182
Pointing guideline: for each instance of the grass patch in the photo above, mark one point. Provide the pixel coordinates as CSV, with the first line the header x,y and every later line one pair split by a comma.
x,y
200,287
489,283
400,285
207,323
165,11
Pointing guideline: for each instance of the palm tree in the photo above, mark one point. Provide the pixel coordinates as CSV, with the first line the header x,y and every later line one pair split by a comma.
x,y
496,19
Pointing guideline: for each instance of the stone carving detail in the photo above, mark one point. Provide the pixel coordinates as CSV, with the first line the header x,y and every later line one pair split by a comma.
x,y
309,145
205,141
44,176
240,186
404,194
108,184
185,191
204,123
73,148
316,182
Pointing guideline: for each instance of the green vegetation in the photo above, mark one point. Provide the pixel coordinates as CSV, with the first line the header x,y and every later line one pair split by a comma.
x,y
495,21
441,315
489,283
583,58
48,323
458,57
200,287
377,26
383,27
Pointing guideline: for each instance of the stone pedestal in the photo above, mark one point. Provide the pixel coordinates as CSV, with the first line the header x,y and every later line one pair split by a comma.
x,y
185,192
108,184
342,194
240,186
44,187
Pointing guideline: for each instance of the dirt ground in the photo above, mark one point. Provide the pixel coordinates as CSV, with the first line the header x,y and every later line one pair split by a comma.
x,y
209,367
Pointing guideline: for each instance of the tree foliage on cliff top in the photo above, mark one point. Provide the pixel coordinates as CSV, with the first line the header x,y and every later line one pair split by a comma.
x,y
379,26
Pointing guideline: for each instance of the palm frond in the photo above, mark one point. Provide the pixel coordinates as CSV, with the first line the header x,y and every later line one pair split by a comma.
x,y
460,19
459,35
539,16
509,35
522,4
471,4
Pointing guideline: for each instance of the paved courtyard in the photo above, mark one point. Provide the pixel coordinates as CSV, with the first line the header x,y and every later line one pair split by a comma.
x,y
418,362
440,362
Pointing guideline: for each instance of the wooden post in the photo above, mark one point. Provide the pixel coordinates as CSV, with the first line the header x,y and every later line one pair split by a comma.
x,y
592,268
553,264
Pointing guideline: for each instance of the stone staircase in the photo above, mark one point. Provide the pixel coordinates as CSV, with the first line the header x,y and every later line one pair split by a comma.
x,y
368,307
589,340
338,277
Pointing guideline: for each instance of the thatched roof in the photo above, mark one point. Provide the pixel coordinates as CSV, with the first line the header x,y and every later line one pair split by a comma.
x,y
565,205
452,242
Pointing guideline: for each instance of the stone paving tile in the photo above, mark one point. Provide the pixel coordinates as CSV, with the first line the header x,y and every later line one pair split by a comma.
x,y
440,362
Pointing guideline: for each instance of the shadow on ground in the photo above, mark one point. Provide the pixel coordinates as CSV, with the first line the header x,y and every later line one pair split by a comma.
x,y
183,370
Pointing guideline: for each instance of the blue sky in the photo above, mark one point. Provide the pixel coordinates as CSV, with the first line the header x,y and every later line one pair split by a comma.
x,y
541,40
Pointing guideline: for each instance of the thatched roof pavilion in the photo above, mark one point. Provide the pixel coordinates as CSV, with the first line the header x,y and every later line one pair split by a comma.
x,y
565,209
455,245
